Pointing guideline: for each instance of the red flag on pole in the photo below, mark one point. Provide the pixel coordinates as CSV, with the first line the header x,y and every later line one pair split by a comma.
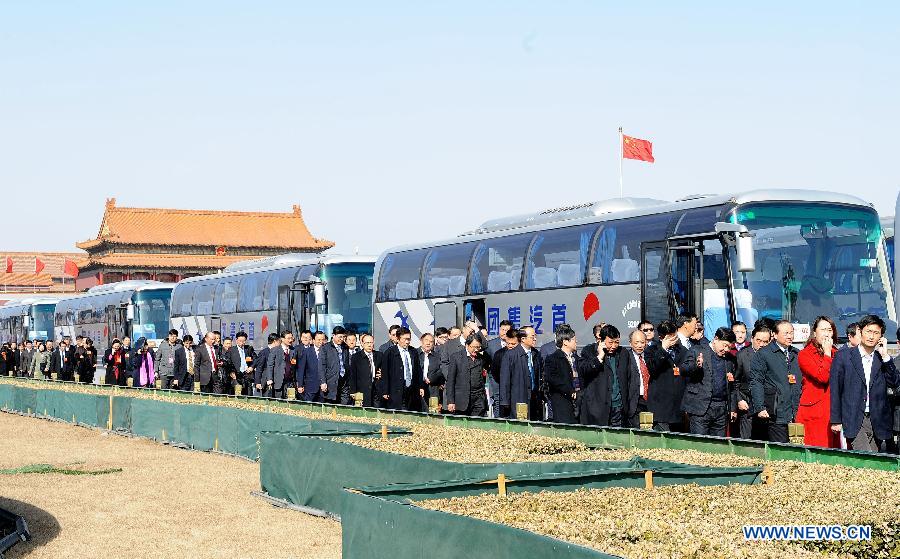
x,y
9,265
70,268
635,148
38,266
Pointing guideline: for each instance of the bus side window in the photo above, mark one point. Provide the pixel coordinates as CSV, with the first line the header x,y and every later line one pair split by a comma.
x,y
183,300
398,278
251,292
203,299
446,269
498,264
617,254
558,257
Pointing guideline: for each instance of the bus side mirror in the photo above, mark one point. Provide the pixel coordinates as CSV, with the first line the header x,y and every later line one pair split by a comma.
x,y
319,294
746,261
742,238
129,312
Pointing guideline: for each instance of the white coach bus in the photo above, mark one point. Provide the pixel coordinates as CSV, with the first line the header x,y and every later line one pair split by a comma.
x,y
784,254
27,319
286,292
135,308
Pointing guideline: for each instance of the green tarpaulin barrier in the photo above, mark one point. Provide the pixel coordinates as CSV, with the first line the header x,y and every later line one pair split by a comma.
x,y
301,469
374,528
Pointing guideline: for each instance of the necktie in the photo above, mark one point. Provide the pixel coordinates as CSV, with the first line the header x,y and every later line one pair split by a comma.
x,y
340,360
576,382
243,359
212,354
371,364
531,369
425,366
190,362
407,370
645,374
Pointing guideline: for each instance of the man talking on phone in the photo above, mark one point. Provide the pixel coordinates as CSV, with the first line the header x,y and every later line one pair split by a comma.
x,y
860,378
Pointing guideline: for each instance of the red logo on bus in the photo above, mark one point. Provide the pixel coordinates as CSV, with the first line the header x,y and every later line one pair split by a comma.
x,y
590,306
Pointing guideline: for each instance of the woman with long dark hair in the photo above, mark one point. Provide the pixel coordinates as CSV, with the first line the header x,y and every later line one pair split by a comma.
x,y
815,398
142,361
87,362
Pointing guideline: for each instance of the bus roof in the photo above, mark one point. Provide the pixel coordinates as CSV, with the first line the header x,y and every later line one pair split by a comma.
x,y
32,301
129,285
619,208
280,262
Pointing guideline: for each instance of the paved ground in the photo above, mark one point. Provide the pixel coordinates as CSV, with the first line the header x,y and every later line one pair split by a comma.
x,y
166,502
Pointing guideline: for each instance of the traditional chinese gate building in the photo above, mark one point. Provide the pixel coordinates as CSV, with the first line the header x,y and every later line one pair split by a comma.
x,y
168,245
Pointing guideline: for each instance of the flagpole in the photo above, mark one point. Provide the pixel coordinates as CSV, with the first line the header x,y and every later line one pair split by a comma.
x,y
621,157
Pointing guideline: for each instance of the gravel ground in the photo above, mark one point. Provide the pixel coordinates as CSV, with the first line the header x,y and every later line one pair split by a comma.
x,y
166,502
690,521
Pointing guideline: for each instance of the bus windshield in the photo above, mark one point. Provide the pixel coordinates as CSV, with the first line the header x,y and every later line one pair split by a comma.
x,y
349,296
42,322
812,260
151,314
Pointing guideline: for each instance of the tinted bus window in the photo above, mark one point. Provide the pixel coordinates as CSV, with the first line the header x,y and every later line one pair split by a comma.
x,y
559,257
617,256
183,300
151,313
252,292
349,296
226,297
701,220
203,299
446,269
399,276
498,264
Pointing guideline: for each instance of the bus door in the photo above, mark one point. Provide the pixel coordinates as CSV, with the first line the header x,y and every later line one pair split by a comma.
x,y
285,298
115,322
671,280
445,314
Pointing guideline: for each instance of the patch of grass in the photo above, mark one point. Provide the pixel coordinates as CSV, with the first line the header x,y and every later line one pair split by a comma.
x,y
51,469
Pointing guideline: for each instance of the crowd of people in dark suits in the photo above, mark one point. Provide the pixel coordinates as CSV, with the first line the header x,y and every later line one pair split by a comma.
x,y
743,384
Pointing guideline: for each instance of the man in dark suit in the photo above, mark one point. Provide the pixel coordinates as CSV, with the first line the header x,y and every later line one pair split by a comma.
x,y
860,378
260,386
760,338
669,362
392,334
207,366
512,341
776,383
493,346
707,388
309,370
239,359
281,367
365,372
430,365
183,365
591,350
564,374
464,392
401,385
335,363
62,361
521,376
605,394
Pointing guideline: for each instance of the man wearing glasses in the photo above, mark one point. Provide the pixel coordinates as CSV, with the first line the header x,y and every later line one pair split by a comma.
x,y
649,333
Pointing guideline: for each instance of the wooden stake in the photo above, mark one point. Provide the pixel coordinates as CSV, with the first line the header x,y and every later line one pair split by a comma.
x,y
333,413
109,419
767,476
648,479
501,484
383,432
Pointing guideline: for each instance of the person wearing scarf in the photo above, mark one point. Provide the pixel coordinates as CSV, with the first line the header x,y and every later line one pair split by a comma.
x,y
143,360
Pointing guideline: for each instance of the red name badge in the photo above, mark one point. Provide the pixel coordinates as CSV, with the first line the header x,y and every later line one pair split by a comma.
x,y
676,371
792,379
730,377
293,361
247,359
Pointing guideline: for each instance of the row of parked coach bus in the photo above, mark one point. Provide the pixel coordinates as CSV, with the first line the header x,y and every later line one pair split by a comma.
x,y
785,254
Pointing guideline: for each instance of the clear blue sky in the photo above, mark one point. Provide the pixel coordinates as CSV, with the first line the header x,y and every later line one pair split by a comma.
x,y
398,122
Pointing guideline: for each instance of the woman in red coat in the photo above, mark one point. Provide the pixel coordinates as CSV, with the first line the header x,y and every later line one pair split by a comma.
x,y
815,399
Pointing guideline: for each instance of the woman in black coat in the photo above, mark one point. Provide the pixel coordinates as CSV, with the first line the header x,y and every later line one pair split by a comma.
x,y
115,364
